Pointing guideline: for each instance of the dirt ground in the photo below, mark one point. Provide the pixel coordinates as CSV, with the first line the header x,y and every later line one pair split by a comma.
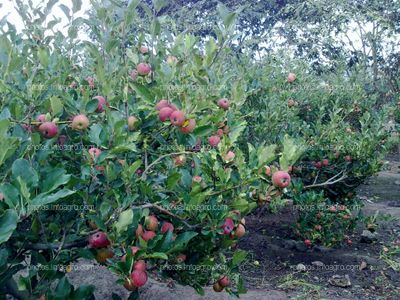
x,y
272,271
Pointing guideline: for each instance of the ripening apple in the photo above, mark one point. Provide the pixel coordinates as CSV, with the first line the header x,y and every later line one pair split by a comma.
x,y
132,122
139,278
161,104
188,126
134,75
318,164
177,118
228,226
180,160
197,178
104,254
240,231
98,240
167,226
224,281
140,265
347,158
172,60
180,258
291,77
94,152
165,113
101,103
214,140
307,243
151,223
325,162
128,284
220,132
80,122
226,129
223,103
144,50
267,170
148,235
291,103
41,118
48,129
217,287
230,156
143,69
139,231
281,179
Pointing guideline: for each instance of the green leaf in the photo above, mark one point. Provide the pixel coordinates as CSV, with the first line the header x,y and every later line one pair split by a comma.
x,y
66,10
56,105
159,4
172,180
238,257
182,240
63,289
45,198
54,179
291,152
94,134
125,219
91,106
76,5
266,154
157,255
22,168
43,57
8,223
123,148
83,292
143,92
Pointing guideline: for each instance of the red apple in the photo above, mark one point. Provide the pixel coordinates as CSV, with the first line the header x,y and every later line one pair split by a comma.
x,y
267,170
188,126
140,265
101,103
143,69
98,240
165,113
144,50
41,118
128,284
223,103
318,164
220,132
167,226
94,152
281,179
161,104
80,122
230,156
48,129
224,281
180,258
197,178
291,77
226,129
214,140
180,160
177,118
228,226
347,158
139,231
307,243
134,75
139,278
325,162
332,209
148,235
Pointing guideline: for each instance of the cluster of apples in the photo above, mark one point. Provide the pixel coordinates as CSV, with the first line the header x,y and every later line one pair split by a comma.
x,y
221,283
138,276
233,231
215,139
319,164
168,111
150,228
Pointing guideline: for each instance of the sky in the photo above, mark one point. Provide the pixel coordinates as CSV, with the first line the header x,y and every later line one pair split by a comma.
x,y
8,8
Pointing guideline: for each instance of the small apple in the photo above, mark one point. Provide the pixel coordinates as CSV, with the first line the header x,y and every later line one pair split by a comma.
x,y
104,254
80,122
132,122
1,196
281,179
177,118
139,278
220,132
228,226
226,129
98,240
180,258
180,160
167,226
291,103
217,287
267,170
165,113
161,104
214,140
318,164
143,69
172,60
291,77
240,231
148,235
347,158
349,242
90,81
197,178
307,243
101,104
144,50
337,154
325,162
224,281
94,152
27,127
318,227
48,129
140,265
332,209
41,118
139,231
188,126
230,156
223,103
128,284
151,223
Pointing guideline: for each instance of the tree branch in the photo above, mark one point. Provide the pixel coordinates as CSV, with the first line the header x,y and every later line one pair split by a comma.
x,y
330,181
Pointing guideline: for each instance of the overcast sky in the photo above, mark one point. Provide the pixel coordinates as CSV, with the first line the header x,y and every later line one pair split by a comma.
x,y
8,8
